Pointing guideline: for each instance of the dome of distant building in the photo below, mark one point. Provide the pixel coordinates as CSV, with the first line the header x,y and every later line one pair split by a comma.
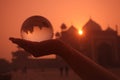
x,y
109,29
91,26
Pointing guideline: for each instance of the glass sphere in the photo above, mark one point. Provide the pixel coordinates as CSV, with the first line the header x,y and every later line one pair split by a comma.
x,y
36,28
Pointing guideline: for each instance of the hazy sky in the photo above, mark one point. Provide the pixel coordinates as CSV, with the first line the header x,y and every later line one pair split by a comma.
x,y
71,12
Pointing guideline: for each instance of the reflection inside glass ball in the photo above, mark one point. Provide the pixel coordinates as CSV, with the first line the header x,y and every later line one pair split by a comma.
x,y
38,34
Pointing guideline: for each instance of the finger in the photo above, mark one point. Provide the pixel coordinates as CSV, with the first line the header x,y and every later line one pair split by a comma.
x,y
19,42
36,48
12,39
26,45
16,40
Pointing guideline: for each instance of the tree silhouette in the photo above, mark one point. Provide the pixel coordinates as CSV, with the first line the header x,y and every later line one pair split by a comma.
x,y
57,34
5,66
63,27
20,54
20,59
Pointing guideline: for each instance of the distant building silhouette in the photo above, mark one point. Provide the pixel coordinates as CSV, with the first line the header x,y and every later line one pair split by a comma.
x,y
102,46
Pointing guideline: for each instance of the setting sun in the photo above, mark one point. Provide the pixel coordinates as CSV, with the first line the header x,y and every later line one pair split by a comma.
x,y
80,32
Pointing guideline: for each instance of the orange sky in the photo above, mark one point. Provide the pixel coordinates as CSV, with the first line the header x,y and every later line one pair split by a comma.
x,y
76,12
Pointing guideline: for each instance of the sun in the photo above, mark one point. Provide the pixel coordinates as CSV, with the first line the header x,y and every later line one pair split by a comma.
x,y
80,32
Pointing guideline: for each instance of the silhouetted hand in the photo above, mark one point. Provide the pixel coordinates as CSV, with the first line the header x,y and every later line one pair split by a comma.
x,y
39,48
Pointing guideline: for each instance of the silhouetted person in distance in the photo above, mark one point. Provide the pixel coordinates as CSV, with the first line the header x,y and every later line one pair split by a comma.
x,y
82,65
66,70
61,71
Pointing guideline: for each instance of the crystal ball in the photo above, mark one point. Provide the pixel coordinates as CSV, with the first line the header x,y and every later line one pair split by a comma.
x,y
36,28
